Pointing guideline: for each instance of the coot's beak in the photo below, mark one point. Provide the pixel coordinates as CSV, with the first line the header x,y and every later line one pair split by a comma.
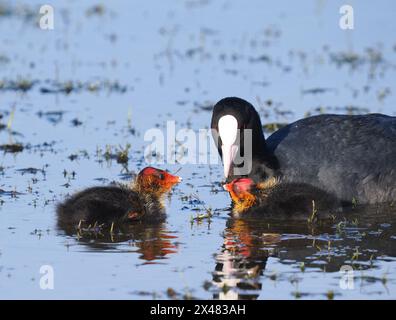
x,y
173,179
229,152
227,186
228,131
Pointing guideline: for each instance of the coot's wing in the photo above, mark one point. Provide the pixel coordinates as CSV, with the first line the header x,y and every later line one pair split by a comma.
x,y
351,156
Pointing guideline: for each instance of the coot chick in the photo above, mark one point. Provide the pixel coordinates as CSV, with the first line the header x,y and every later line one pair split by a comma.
x,y
350,156
273,198
142,201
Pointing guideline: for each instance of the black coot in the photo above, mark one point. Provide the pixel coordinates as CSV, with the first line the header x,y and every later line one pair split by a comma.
x,y
351,157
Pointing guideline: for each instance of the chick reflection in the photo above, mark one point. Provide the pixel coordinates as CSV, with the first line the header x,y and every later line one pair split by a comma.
x,y
153,242
157,245
240,263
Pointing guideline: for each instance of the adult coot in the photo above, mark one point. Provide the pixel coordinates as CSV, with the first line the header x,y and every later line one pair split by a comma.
x,y
351,157
117,203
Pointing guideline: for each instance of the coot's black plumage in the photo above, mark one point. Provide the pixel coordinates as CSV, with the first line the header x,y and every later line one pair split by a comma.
x,y
350,156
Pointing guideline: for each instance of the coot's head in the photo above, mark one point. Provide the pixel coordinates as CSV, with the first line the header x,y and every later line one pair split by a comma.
x,y
240,186
241,192
155,180
231,118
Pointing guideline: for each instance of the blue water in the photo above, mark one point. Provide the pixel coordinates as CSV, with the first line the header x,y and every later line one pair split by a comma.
x,y
173,58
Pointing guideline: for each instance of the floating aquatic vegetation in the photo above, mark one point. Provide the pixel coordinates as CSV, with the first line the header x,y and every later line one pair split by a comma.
x,y
193,51
68,87
20,11
54,117
351,110
206,106
270,109
200,217
171,293
120,154
80,154
383,93
31,170
274,126
11,148
41,147
76,122
21,84
97,9
346,58
12,193
371,56
317,90
89,230
263,58
313,217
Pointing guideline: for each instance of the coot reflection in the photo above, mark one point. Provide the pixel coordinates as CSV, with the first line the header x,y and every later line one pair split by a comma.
x,y
249,261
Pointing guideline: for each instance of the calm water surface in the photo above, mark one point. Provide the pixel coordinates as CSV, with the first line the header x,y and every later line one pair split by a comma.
x,y
77,95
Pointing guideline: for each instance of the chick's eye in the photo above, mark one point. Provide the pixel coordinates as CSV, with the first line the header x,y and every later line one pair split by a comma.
x,y
162,176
